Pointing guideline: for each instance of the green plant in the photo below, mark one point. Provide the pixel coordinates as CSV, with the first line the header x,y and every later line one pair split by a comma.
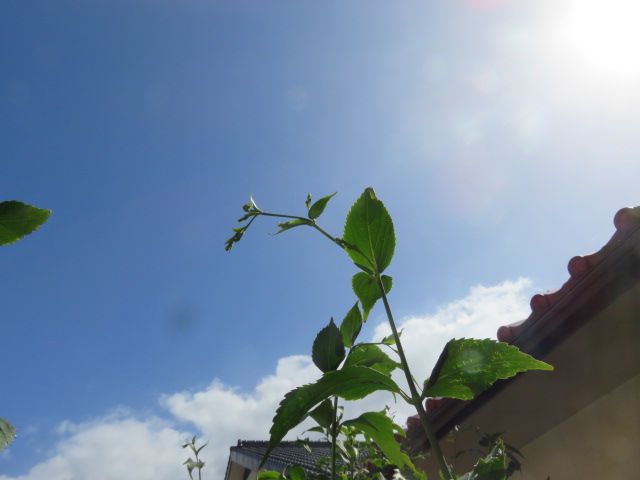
x,y
465,368
17,220
194,463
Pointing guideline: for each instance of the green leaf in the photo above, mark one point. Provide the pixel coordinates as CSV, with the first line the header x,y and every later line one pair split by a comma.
x,y
328,348
269,475
390,339
467,367
369,233
323,414
18,219
318,207
492,467
7,433
291,224
297,473
369,355
350,383
381,429
366,289
351,326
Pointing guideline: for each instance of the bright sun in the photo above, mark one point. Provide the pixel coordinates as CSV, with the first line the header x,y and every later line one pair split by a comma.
x,y
607,33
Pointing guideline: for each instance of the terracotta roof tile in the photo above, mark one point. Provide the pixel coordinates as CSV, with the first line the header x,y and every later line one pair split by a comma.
x,y
542,324
626,221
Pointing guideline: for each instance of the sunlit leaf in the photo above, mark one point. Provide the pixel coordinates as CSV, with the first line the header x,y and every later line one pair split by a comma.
x,y
467,367
352,383
382,430
318,207
297,473
7,433
284,226
369,355
269,475
18,219
492,467
369,232
366,289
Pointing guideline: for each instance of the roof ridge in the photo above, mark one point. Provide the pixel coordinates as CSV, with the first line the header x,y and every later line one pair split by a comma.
x,y
626,222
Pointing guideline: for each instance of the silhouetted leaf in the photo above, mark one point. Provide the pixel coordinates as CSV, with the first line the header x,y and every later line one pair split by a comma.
x,y
328,348
467,367
323,414
351,326
369,233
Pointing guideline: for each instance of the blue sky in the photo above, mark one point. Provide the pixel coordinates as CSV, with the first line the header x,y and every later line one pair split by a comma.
x,y
499,146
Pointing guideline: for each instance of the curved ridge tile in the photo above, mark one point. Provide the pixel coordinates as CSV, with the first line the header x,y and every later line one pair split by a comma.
x,y
626,221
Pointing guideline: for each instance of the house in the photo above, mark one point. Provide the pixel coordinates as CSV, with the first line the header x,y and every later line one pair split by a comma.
x,y
583,420
245,457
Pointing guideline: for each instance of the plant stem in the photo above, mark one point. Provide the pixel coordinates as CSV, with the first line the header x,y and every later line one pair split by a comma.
x,y
309,222
415,396
334,437
416,400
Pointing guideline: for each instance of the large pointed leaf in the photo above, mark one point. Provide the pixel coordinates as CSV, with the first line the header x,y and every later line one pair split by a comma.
x,y
7,433
382,430
350,383
467,367
369,355
367,290
328,348
351,326
369,233
18,219
318,207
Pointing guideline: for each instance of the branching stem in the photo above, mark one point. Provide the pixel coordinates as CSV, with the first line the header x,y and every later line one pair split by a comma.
x,y
415,398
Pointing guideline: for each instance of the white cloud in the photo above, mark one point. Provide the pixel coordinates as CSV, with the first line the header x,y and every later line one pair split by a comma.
x,y
122,446
225,415
116,447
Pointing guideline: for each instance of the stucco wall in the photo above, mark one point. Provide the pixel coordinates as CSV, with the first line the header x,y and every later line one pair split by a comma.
x,y
604,437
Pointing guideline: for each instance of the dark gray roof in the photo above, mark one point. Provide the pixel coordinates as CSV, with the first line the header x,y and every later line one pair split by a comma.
x,y
249,453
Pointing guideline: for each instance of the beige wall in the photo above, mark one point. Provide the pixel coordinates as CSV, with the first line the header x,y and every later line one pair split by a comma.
x,y
601,441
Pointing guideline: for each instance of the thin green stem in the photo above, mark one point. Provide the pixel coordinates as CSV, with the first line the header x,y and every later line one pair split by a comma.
x,y
334,437
416,399
415,396
309,222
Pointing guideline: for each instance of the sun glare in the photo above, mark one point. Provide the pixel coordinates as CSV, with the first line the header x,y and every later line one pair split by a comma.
x,y
607,33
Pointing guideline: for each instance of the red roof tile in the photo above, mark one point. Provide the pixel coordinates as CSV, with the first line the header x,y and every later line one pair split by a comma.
x,y
626,221
541,326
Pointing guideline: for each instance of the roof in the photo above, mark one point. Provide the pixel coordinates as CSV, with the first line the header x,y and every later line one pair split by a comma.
x,y
595,281
249,453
